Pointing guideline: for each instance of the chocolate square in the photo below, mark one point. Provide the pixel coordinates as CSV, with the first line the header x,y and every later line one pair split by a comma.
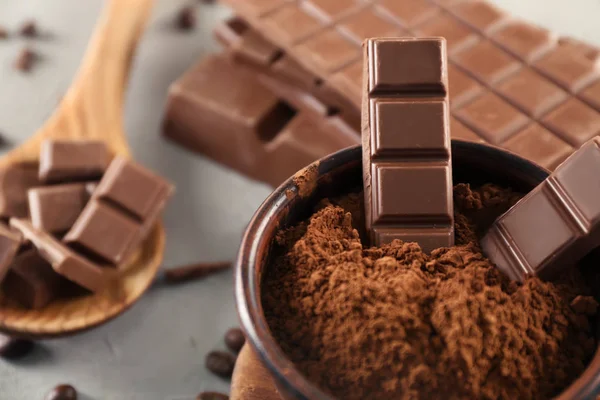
x,y
481,15
568,68
526,41
365,24
463,88
409,13
487,62
574,121
292,23
539,145
458,35
329,50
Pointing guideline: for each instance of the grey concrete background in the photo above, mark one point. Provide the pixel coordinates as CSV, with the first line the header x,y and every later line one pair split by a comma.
x,y
156,350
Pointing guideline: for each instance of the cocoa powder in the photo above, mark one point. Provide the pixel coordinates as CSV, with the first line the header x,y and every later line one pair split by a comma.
x,y
396,323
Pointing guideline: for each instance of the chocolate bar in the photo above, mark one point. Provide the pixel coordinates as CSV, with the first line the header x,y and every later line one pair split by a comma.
x,y
224,111
15,181
555,225
124,207
511,83
55,208
63,260
70,160
406,142
31,280
10,241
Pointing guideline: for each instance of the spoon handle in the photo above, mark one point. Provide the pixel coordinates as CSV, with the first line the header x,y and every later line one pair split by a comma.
x,y
92,108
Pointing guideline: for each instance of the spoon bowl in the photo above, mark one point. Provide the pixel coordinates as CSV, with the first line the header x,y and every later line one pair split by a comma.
x,y
92,109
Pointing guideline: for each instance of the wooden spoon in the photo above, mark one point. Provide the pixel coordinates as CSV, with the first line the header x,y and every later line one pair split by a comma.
x,y
93,109
251,380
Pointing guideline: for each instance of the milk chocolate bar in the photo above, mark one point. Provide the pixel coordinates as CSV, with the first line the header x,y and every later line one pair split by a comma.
x,y
55,208
406,142
31,280
555,225
512,83
63,260
125,206
10,241
223,111
15,181
71,160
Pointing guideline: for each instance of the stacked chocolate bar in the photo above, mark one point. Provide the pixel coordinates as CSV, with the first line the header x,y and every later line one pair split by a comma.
x,y
74,220
287,89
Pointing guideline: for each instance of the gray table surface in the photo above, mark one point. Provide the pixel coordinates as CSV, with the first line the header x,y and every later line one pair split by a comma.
x,y
156,350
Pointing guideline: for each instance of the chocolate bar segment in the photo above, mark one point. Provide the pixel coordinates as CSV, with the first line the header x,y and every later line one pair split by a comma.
x,y
31,280
133,187
10,241
555,225
64,261
406,142
71,160
15,181
55,208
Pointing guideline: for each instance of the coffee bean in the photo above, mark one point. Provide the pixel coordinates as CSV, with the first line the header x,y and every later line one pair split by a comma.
x,y
234,339
25,60
11,348
29,29
212,396
62,392
220,363
186,19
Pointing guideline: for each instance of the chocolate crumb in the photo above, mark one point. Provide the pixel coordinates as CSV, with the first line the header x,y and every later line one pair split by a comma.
x,y
13,348
220,363
3,33
29,29
186,19
194,271
584,305
212,396
25,60
234,339
62,392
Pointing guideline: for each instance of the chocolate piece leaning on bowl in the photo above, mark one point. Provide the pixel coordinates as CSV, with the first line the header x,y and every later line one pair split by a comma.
x,y
406,142
555,225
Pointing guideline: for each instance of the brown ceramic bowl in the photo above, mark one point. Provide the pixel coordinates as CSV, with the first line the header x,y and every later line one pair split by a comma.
x,y
336,175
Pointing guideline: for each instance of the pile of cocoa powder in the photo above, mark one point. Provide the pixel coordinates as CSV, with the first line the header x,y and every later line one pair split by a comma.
x,y
396,323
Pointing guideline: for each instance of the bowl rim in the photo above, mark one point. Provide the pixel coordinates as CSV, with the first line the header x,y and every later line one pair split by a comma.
x,y
247,290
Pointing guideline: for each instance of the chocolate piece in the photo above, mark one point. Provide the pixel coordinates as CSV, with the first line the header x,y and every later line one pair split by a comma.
x,y
126,204
234,339
15,181
194,271
10,241
70,160
133,187
12,348
555,225
186,18
406,143
223,111
29,29
220,363
104,231
25,60
478,33
62,392
63,260
3,33
55,208
31,280
212,395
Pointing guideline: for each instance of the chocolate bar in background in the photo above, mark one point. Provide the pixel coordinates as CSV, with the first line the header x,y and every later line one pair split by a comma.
x,y
555,225
512,84
72,160
15,181
32,282
406,142
224,112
